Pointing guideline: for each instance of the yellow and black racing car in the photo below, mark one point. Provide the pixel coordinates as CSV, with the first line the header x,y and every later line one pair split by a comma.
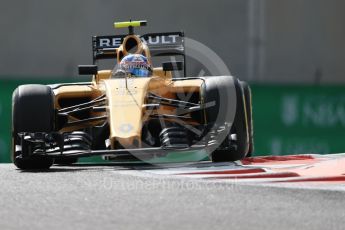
x,y
136,110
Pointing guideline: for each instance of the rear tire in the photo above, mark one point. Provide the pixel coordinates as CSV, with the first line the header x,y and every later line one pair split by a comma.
x,y
32,111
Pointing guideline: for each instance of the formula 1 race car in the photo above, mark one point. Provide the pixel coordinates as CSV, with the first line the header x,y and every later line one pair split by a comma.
x,y
133,111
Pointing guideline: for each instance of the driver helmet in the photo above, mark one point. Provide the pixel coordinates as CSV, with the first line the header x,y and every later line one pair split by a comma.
x,y
136,65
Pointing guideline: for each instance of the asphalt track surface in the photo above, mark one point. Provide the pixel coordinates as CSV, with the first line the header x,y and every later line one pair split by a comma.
x,y
126,197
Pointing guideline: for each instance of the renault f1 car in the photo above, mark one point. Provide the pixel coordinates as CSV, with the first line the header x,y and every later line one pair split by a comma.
x,y
134,111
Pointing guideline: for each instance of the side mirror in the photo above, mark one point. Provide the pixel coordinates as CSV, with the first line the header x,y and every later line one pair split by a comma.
x,y
171,66
87,69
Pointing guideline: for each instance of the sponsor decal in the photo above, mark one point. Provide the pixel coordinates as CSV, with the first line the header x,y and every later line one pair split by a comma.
x,y
161,39
116,41
289,109
125,128
323,111
110,42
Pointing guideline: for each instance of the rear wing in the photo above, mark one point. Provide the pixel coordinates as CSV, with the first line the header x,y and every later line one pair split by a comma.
x,y
159,44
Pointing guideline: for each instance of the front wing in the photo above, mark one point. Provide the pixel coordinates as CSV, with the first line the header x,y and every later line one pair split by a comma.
x,y
53,145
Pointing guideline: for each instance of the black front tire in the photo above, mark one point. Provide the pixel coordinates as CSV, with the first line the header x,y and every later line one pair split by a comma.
x,y
32,111
232,150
